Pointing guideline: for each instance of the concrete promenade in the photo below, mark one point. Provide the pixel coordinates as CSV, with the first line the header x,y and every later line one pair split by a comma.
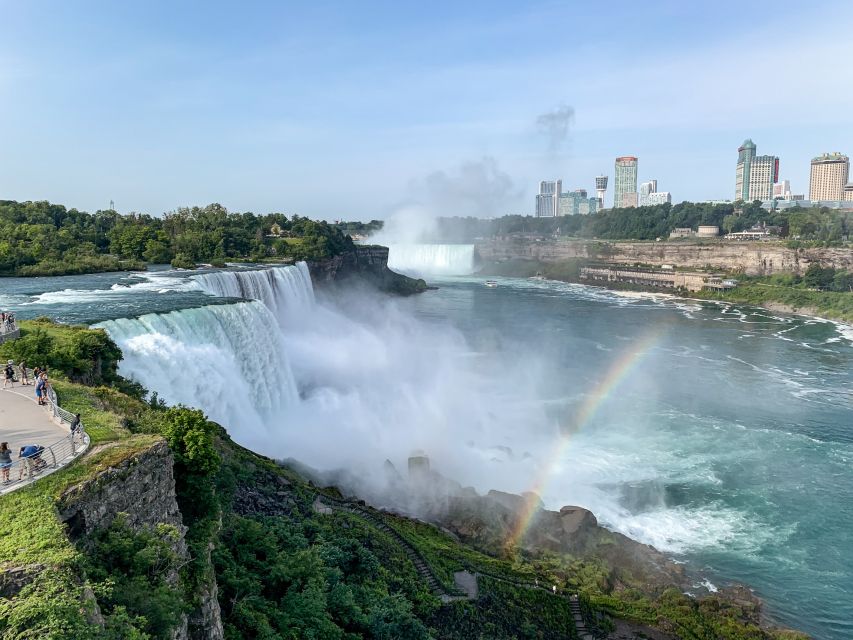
x,y
23,422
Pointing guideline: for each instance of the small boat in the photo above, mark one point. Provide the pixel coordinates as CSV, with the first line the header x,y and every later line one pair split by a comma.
x,y
538,276
491,283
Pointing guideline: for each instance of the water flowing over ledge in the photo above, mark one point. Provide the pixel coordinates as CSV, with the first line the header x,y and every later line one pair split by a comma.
x,y
434,259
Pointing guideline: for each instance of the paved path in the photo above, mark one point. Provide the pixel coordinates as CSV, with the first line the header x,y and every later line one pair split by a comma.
x,y
23,422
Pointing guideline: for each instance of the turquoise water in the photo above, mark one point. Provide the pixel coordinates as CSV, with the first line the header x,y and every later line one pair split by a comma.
x,y
727,443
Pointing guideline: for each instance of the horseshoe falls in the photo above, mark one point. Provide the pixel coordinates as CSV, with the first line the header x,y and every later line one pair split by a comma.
x,y
432,259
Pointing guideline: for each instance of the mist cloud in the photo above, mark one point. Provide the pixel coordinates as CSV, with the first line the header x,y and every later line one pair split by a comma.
x,y
478,188
555,124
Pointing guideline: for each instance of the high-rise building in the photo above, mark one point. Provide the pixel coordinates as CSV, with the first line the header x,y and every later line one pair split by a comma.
x,y
763,174
745,154
782,190
848,192
625,183
600,190
659,197
548,198
829,175
645,189
577,203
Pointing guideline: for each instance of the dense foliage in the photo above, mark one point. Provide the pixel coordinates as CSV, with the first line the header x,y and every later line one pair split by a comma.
x,y
81,354
648,223
40,238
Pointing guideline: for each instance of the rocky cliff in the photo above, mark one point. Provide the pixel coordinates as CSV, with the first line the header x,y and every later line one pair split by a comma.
x,y
142,489
366,264
750,258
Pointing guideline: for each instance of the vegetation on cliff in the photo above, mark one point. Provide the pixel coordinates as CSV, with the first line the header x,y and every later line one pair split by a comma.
x,y
813,224
44,239
284,567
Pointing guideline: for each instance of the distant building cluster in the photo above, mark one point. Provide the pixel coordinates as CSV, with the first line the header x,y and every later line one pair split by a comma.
x,y
552,201
756,178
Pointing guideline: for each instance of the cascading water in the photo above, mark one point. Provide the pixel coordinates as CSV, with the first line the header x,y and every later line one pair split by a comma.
x,y
434,259
284,290
226,359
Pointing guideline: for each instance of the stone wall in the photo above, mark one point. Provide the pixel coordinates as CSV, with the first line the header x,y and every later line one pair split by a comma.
x,y
751,258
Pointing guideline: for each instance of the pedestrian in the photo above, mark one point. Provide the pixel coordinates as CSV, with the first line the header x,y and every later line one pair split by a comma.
x,y
41,392
25,381
75,426
28,455
5,461
9,375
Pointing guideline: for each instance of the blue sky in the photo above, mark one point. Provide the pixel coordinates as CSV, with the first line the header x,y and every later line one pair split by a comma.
x,y
356,109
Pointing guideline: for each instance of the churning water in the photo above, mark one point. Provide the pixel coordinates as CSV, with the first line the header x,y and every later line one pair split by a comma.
x,y
725,440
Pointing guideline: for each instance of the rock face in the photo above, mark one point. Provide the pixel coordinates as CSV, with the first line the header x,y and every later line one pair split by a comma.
x,y
750,258
367,264
143,488
490,521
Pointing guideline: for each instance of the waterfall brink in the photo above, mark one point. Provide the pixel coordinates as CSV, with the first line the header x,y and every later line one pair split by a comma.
x,y
228,360
284,290
436,259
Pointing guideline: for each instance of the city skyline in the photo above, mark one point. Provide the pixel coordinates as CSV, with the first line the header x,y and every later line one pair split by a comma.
x,y
414,106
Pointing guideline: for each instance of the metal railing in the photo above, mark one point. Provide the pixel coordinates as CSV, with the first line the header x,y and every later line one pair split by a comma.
x,y
25,470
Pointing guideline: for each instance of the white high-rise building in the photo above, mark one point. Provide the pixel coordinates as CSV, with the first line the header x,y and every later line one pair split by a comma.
x,y
548,198
646,188
600,190
659,197
763,174
782,190
625,183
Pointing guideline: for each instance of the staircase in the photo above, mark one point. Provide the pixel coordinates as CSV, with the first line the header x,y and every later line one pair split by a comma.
x,y
429,576
413,554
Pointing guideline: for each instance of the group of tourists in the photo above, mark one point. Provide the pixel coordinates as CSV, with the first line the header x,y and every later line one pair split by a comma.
x,y
7,322
19,373
31,461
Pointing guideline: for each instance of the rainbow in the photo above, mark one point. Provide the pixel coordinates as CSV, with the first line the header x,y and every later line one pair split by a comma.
x,y
616,374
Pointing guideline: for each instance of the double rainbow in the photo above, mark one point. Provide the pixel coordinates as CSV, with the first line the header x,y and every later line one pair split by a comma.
x,y
616,374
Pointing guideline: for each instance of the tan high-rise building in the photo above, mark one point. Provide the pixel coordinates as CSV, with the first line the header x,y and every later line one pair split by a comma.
x,y
829,176
848,192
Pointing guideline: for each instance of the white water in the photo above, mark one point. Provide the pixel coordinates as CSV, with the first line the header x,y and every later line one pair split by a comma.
x,y
432,259
284,290
226,359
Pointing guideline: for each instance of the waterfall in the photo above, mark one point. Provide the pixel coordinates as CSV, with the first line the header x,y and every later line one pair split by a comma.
x,y
435,259
228,360
284,290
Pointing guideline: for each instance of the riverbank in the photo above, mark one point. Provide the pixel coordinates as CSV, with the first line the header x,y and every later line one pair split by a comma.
x,y
765,292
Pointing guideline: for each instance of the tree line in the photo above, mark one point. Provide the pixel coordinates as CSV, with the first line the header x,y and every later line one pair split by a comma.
x,y
649,223
41,238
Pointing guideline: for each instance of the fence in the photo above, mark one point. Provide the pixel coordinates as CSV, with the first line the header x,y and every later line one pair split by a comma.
x,y
25,470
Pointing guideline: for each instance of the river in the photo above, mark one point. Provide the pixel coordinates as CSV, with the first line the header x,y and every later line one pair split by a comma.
x,y
719,433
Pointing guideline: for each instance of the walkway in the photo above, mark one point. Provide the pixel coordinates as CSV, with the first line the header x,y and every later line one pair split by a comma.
x,y
24,422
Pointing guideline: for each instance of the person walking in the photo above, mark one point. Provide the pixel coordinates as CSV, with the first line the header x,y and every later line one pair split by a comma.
x,y
25,381
9,375
5,461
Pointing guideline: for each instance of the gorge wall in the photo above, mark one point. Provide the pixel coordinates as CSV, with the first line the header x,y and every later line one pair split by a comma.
x,y
366,263
142,487
750,258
